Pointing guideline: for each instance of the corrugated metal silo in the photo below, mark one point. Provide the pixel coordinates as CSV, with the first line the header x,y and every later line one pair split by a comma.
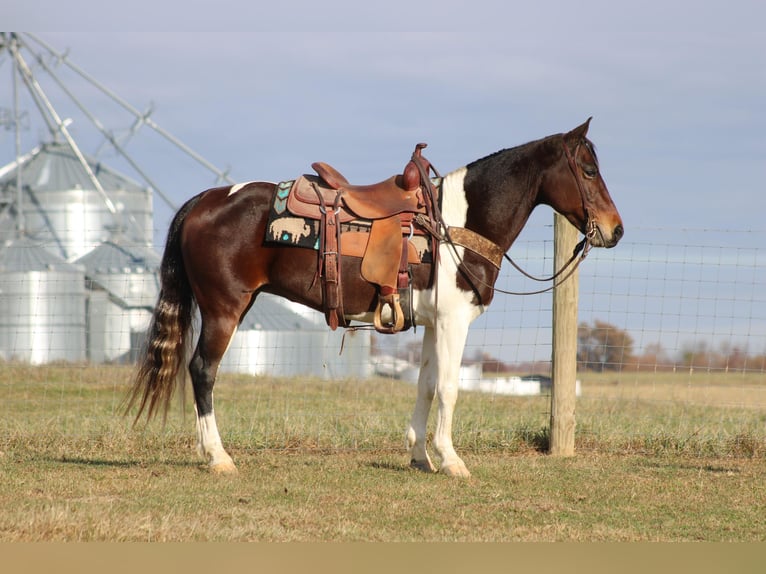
x,y
123,283
63,209
42,305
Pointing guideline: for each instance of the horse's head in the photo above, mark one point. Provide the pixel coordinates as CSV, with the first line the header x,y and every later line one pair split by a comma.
x,y
574,187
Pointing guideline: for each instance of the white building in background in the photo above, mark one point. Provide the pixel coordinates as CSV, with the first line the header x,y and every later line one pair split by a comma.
x,y
69,292
471,378
78,276
281,338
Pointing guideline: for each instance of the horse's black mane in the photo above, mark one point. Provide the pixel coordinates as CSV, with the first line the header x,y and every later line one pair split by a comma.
x,y
507,153
512,152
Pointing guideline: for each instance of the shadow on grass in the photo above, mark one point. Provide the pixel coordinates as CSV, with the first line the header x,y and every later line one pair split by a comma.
x,y
389,466
538,439
675,464
541,441
106,463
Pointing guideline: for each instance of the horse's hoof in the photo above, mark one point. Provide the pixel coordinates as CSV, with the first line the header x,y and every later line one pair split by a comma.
x,y
456,469
422,465
224,469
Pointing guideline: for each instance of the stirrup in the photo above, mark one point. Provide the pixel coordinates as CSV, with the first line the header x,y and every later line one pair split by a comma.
x,y
392,301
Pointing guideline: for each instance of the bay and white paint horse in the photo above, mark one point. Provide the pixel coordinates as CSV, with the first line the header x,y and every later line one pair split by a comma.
x,y
215,258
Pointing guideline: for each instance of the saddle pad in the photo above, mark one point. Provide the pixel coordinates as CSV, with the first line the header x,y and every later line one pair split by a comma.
x,y
284,227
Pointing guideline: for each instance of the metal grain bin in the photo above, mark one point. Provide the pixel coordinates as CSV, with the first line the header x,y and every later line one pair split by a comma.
x,y
122,284
63,209
42,305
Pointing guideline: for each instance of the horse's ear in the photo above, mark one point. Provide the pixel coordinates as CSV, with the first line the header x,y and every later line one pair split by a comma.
x,y
579,132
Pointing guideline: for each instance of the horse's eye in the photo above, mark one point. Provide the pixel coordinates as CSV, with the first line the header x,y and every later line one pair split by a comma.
x,y
590,171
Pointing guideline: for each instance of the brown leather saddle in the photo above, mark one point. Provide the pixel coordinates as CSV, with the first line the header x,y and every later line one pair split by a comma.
x,y
388,209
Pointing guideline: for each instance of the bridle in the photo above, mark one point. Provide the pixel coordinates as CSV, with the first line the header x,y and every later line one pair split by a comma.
x,y
590,224
581,249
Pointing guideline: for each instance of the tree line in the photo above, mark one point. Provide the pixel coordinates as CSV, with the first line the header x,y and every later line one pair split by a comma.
x,y
602,346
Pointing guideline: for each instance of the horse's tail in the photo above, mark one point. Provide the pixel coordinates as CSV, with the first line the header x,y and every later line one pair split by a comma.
x,y
161,366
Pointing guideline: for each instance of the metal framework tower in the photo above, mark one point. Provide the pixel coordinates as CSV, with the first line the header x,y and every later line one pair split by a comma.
x,y
32,58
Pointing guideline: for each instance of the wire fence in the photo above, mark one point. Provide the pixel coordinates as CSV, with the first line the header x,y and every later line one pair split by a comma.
x,y
667,315
676,309
691,299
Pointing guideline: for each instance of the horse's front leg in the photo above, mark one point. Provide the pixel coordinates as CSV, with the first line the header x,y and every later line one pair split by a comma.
x,y
439,374
451,333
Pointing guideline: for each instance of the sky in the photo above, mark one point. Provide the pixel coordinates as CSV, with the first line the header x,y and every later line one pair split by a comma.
x,y
677,91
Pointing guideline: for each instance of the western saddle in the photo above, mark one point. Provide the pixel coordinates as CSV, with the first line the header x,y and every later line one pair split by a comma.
x,y
393,211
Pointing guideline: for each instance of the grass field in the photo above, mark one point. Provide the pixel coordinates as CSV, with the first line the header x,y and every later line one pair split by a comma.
x,y
665,457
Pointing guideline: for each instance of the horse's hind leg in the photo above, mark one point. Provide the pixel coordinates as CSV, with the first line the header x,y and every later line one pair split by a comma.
x,y
214,339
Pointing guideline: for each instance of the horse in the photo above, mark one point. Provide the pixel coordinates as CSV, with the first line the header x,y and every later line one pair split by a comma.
x,y
215,260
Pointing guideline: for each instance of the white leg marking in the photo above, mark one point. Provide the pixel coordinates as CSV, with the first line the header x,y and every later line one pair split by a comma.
x,y
210,447
451,333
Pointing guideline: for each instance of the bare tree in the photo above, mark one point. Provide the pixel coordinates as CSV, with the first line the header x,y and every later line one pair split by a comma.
x,y
603,347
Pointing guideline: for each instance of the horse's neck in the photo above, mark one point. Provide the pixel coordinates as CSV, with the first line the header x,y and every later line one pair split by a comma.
x,y
491,197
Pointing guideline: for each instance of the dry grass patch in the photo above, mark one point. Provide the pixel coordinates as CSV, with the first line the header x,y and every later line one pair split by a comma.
x,y
323,461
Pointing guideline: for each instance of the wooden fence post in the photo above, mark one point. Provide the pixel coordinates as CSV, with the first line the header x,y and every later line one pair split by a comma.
x,y
564,353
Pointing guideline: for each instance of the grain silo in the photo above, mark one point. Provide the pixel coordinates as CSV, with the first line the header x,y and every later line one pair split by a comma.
x,y
42,305
64,210
122,285
62,214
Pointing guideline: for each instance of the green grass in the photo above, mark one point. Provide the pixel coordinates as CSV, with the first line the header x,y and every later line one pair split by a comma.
x,y
323,460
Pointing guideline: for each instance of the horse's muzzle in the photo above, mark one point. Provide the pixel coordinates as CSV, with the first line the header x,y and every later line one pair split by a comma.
x,y
607,237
